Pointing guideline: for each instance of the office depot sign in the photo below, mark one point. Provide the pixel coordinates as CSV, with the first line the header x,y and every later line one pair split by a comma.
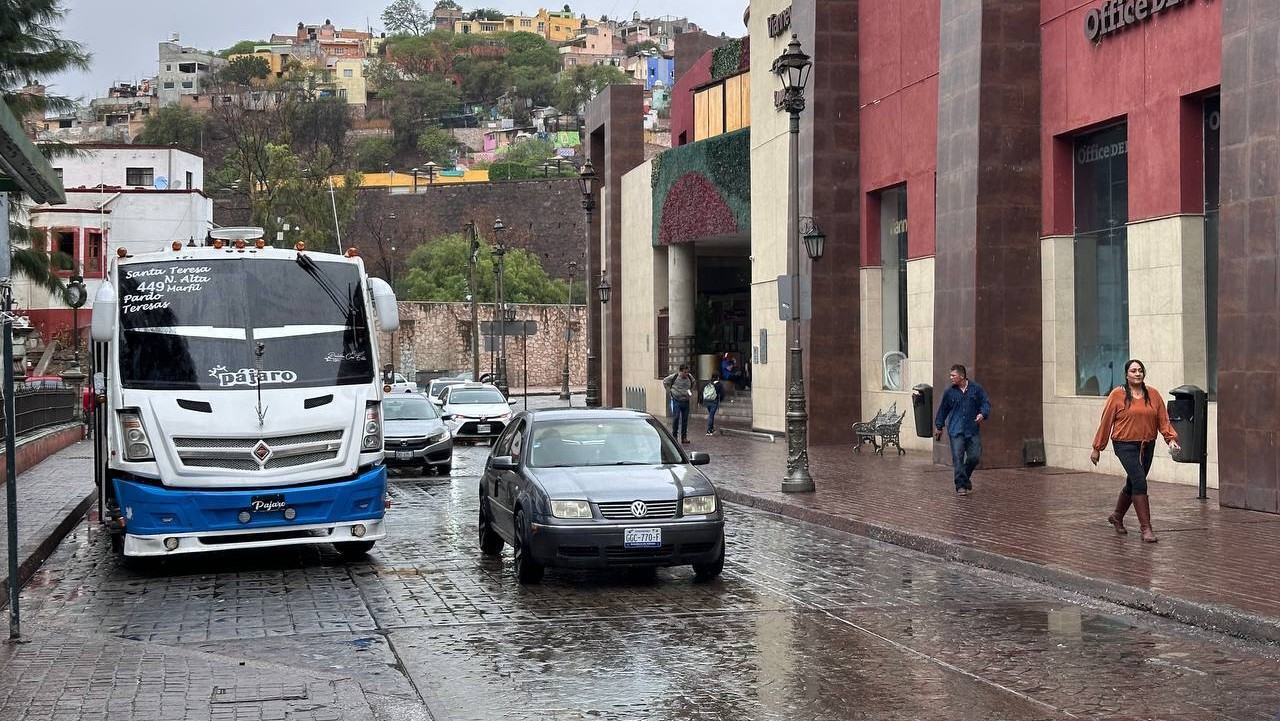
x,y
1117,15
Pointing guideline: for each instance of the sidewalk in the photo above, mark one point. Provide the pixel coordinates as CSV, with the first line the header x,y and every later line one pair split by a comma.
x,y
52,497
1214,567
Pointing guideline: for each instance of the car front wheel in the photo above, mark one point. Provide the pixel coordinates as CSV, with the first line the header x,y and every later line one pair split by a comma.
x,y
528,571
711,569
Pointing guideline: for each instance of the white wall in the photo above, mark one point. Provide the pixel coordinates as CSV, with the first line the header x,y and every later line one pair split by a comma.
x,y
106,166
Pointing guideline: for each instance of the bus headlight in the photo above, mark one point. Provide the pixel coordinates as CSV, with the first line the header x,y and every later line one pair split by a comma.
x,y
372,427
137,446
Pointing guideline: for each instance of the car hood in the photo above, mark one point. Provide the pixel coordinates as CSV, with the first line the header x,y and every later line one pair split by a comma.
x,y
603,484
478,410
413,429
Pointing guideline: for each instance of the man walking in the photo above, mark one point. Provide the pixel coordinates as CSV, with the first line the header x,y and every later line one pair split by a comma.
x,y
679,387
964,407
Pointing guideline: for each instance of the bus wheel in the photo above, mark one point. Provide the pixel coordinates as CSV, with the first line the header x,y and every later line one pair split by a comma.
x,y
354,549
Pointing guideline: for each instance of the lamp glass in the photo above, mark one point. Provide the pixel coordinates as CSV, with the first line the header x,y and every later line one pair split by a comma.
x,y
587,177
815,243
604,289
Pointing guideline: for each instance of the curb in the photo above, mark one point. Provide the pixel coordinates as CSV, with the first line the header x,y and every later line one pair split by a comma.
x,y
1211,616
49,537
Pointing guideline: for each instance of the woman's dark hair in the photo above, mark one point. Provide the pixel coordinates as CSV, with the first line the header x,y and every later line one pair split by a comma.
x,y
1128,392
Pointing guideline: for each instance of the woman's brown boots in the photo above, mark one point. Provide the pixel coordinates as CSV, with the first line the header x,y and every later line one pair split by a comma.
x,y
1142,505
1116,519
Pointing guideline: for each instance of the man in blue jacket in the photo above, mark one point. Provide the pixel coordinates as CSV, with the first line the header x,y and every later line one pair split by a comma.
x,y
966,405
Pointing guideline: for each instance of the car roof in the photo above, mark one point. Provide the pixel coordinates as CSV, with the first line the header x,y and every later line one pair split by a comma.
x,y
577,414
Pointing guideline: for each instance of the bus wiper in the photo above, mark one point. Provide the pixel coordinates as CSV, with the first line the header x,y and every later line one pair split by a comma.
x,y
309,265
257,380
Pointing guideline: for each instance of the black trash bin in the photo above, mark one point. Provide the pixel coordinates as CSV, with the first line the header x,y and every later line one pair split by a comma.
x,y
1188,414
922,409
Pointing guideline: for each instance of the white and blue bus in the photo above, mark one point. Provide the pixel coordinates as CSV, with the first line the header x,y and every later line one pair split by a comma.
x,y
239,400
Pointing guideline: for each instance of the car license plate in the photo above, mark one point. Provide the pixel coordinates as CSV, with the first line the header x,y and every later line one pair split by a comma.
x,y
404,455
642,538
482,428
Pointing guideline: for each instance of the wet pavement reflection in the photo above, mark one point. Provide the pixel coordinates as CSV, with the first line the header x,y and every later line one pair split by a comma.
x,y
805,623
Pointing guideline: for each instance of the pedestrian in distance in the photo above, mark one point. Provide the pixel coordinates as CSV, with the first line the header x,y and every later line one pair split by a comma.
x,y
679,387
1133,415
712,395
963,409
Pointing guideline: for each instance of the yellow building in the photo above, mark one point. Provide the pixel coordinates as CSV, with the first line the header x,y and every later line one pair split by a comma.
x,y
346,76
407,182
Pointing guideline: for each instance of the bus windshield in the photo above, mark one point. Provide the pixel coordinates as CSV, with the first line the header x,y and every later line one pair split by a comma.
x,y
243,322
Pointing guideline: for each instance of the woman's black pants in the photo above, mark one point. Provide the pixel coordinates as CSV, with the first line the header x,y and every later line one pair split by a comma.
x,y
1136,458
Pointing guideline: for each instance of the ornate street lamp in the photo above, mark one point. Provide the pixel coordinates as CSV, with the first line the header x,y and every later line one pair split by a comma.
x,y
586,180
76,295
604,290
792,68
499,269
568,336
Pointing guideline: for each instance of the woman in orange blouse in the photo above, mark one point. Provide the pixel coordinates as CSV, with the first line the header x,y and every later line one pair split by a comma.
x,y
1134,413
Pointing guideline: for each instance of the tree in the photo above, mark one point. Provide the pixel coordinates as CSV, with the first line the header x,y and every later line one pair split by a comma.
x,y
412,105
301,196
244,47
321,123
245,69
177,125
447,5
406,16
577,87
373,153
438,272
486,14
437,145
31,50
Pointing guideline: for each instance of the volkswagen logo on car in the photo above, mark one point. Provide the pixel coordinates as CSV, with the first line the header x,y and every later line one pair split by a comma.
x,y
639,509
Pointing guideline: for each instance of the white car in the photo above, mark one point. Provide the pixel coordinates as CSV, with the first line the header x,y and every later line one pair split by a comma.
x,y
399,384
474,411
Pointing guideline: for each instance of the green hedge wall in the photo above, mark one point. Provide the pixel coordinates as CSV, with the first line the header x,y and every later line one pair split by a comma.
x,y
728,59
724,161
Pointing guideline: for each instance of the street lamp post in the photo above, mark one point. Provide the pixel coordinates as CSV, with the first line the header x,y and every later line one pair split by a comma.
x,y
499,308
415,180
568,335
586,179
792,68
431,167
473,256
391,280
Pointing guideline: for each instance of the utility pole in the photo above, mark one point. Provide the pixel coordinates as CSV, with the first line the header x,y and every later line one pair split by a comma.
x,y
10,427
472,258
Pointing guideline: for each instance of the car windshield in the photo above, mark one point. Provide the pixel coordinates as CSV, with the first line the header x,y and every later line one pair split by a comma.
x,y
408,409
601,442
482,395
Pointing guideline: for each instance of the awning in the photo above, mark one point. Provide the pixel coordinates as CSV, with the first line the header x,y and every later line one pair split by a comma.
x,y
22,166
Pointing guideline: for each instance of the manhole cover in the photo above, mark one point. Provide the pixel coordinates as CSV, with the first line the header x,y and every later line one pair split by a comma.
x,y
258,694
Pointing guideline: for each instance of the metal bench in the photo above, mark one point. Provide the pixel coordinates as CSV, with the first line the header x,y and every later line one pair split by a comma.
x,y
867,431
888,432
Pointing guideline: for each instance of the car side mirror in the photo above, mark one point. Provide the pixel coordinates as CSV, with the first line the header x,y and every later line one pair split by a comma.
x,y
437,401
446,417
503,463
699,458
511,401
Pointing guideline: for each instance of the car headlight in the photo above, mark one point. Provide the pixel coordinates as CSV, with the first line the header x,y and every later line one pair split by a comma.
x,y
438,437
699,505
571,509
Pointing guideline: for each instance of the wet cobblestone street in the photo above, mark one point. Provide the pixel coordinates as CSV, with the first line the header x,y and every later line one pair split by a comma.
x,y
805,623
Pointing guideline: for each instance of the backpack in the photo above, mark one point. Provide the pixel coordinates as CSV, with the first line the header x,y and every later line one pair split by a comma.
x,y
709,393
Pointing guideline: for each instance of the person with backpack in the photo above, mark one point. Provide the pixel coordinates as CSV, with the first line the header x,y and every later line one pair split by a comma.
x,y
679,387
712,394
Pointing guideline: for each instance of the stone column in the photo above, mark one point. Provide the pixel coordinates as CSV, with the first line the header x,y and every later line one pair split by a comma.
x,y
987,279
681,279
1248,309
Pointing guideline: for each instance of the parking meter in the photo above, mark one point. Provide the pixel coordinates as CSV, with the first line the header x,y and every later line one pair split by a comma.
x,y
922,409
1188,414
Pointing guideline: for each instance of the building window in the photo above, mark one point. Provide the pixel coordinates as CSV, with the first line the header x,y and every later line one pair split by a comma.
x,y
187,84
1101,166
893,268
65,245
168,86
93,253
139,176
526,23
1212,122
58,172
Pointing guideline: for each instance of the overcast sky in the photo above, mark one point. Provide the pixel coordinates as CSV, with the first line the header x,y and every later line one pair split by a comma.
x,y
123,34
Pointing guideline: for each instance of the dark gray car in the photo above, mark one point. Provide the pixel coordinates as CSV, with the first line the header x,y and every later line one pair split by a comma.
x,y
414,434
598,488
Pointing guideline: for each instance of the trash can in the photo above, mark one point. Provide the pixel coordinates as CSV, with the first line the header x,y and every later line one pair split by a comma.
x,y
1188,414
922,409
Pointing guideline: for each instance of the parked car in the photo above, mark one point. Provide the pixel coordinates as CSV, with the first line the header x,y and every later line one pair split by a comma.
x,y
598,488
415,435
397,383
45,382
474,411
438,384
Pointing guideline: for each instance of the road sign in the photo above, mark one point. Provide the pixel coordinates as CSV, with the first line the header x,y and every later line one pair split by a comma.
x,y
510,328
785,312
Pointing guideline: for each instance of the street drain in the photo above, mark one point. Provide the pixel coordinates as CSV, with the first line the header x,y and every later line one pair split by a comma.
x,y
258,694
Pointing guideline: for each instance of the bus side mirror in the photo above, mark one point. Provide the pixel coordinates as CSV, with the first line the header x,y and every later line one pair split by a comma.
x,y
104,313
384,302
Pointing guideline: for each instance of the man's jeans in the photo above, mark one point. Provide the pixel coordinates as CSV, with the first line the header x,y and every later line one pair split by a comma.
x,y
711,416
965,454
679,419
